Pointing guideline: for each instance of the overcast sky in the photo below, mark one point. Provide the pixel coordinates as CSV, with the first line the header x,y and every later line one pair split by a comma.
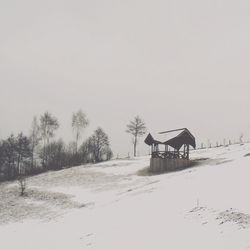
x,y
176,63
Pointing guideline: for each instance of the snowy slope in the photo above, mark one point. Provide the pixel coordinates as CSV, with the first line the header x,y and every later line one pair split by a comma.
x,y
117,205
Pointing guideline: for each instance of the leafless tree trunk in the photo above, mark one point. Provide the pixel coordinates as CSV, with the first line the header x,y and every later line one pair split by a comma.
x,y
135,145
22,183
79,122
48,125
136,128
34,139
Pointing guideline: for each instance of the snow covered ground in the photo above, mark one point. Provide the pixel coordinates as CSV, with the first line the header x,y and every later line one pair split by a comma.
x,y
118,205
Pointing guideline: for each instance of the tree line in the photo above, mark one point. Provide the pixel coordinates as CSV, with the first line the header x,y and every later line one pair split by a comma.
x,y
39,151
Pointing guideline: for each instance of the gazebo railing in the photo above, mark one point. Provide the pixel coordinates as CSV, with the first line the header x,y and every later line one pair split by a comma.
x,y
169,154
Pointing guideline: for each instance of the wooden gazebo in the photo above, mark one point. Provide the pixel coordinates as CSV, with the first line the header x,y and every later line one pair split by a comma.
x,y
170,149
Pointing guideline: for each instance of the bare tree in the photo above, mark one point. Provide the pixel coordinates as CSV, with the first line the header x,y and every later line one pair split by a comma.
x,y
241,138
109,154
48,125
79,122
57,157
136,128
9,156
23,151
15,154
98,146
86,151
34,138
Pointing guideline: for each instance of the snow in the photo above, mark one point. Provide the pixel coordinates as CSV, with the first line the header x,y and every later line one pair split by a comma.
x,y
163,137
112,206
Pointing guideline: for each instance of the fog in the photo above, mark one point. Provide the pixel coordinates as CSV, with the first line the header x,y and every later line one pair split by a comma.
x,y
175,63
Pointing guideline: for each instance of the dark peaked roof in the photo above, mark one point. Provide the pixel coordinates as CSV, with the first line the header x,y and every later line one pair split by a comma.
x,y
174,138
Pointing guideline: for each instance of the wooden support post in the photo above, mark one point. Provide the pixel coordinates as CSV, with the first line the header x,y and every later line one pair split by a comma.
x,y
188,151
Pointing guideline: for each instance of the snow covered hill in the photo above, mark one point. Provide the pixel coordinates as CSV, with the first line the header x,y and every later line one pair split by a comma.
x,y
118,205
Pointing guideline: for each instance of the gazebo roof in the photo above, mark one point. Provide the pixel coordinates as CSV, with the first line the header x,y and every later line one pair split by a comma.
x,y
174,138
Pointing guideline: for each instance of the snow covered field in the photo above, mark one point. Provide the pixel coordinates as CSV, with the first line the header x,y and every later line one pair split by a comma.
x,y
117,205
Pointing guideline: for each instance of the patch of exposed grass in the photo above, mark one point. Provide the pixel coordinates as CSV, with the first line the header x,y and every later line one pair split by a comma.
x,y
34,204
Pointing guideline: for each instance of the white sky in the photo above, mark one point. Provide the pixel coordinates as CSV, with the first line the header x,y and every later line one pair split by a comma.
x,y
175,63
